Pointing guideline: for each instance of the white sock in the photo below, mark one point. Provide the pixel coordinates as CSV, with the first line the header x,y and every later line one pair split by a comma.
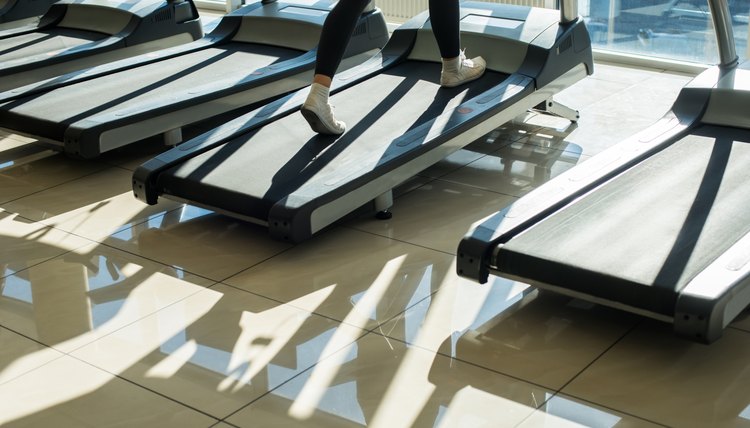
x,y
451,65
319,113
318,94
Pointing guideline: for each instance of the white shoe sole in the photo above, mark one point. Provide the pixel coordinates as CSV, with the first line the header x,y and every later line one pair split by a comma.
x,y
459,83
317,124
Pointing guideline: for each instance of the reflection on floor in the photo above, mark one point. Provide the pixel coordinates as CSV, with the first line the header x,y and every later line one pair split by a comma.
x,y
115,313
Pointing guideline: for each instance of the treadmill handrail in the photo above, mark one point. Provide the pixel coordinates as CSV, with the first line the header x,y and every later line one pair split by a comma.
x,y
724,35
568,11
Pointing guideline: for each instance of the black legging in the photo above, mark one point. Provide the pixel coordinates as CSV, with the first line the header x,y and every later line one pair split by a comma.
x,y
340,23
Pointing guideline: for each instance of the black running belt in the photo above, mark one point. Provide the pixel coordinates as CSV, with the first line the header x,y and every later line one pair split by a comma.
x,y
640,238
121,94
49,42
285,159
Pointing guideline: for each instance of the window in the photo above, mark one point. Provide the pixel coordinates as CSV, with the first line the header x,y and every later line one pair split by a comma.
x,y
667,29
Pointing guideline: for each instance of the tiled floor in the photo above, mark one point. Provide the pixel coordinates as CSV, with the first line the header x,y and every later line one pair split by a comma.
x,y
113,313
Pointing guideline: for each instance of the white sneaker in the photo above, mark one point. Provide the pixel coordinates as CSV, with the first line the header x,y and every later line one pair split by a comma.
x,y
460,70
319,113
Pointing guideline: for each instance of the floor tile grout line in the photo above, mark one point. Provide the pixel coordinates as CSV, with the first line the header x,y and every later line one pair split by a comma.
x,y
146,388
62,254
299,308
307,369
554,392
98,243
256,264
401,241
201,289
166,265
562,395
61,354
601,354
592,362
103,168
222,421
514,377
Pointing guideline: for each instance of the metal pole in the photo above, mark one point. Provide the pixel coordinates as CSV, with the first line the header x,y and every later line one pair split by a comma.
x,y
724,34
568,11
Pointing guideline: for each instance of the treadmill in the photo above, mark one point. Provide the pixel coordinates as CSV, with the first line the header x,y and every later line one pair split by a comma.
x,y
77,34
22,12
658,225
259,52
268,167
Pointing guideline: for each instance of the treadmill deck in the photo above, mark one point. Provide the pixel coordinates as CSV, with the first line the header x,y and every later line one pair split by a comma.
x,y
45,42
131,92
641,237
287,160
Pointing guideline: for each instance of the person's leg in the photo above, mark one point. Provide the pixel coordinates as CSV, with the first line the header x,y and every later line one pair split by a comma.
x,y
457,69
335,35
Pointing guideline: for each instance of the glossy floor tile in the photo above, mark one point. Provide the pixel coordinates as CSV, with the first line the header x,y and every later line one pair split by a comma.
x,y
75,298
94,206
562,411
219,349
659,377
351,276
616,115
116,313
511,328
384,383
20,355
436,215
28,169
199,241
25,243
525,163
70,393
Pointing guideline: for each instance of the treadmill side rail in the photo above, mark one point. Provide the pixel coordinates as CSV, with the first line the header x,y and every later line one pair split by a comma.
x,y
711,300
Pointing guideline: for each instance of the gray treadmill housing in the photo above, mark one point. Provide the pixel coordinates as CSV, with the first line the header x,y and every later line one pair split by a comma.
x,y
730,98
711,291
321,201
286,24
110,30
132,113
513,39
297,24
14,10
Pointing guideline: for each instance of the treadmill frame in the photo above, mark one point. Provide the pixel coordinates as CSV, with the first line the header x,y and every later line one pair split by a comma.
x,y
703,308
533,84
